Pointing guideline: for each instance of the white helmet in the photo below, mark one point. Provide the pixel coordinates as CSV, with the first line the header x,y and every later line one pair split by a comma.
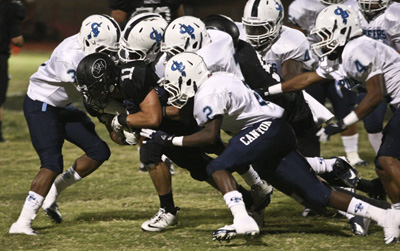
x,y
185,33
141,38
184,73
329,2
262,22
335,26
372,7
99,33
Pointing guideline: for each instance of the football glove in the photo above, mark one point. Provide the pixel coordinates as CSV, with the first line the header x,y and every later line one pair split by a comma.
x,y
158,137
332,128
118,123
131,138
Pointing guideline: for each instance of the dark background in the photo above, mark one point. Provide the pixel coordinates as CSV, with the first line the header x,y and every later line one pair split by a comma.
x,y
54,20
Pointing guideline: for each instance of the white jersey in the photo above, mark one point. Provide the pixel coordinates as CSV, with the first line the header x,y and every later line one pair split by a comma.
x,y
364,58
223,94
218,55
53,82
303,13
385,27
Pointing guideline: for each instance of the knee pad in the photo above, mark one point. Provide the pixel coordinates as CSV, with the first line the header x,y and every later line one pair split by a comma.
x,y
199,174
52,161
99,152
214,166
150,153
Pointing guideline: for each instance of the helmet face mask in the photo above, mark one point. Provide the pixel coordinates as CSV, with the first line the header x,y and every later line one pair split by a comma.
x,y
262,22
335,26
97,78
372,7
184,73
141,38
185,33
99,33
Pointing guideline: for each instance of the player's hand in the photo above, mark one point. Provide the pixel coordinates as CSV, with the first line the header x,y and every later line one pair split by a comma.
x,y
117,124
131,138
158,137
331,129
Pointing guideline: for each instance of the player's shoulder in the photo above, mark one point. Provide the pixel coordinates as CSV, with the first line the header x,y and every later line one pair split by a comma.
x,y
290,39
392,12
68,50
306,5
361,48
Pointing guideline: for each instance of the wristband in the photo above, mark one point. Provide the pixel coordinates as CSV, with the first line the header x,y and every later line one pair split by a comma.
x,y
275,89
177,141
164,112
350,119
122,119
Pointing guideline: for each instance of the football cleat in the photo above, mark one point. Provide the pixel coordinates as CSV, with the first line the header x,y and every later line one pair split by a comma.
x,y
345,172
53,213
359,225
161,221
226,233
22,229
244,226
391,225
261,194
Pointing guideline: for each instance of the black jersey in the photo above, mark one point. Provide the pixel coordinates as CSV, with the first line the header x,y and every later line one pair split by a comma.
x,y
166,8
257,76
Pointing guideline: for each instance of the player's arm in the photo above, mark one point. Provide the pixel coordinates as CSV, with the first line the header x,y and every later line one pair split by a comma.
x,y
299,82
291,68
119,15
205,137
149,115
374,96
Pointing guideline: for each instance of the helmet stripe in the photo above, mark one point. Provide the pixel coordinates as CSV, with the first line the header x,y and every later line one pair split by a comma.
x,y
254,10
115,25
128,29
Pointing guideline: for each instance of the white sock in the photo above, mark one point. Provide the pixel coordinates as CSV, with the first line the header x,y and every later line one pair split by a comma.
x,y
375,139
364,209
234,201
251,177
350,143
63,181
32,204
321,165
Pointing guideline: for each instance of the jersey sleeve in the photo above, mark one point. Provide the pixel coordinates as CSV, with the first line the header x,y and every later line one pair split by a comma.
x,y
362,63
208,106
393,24
297,15
64,71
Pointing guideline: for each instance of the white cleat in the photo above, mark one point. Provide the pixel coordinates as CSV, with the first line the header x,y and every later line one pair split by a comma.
x,y
391,226
161,221
245,226
22,229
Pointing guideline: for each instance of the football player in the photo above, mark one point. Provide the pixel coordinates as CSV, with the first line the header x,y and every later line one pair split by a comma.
x,y
379,20
302,15
366,64
52,119
259,137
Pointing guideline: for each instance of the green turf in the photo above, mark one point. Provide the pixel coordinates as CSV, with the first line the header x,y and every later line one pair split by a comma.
x,y
105,210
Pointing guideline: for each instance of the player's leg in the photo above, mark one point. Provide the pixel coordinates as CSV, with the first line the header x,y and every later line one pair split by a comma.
x,y
47,137
79,130
150,155
373,123
4,79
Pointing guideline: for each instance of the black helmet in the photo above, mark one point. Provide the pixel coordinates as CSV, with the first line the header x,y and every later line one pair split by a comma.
x,y
97,77
223,23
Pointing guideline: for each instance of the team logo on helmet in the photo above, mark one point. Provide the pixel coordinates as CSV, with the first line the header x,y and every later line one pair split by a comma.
x,y
344,14
187,29
178,67
95,30
99,67
155,35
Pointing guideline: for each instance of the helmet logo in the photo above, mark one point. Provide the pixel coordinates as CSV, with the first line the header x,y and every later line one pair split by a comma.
x,y
178,67
99,67
279,8
155,35
95,30
187,29
344,14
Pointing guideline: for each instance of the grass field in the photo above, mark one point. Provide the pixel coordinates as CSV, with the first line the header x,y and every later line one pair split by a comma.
x,y
105,210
